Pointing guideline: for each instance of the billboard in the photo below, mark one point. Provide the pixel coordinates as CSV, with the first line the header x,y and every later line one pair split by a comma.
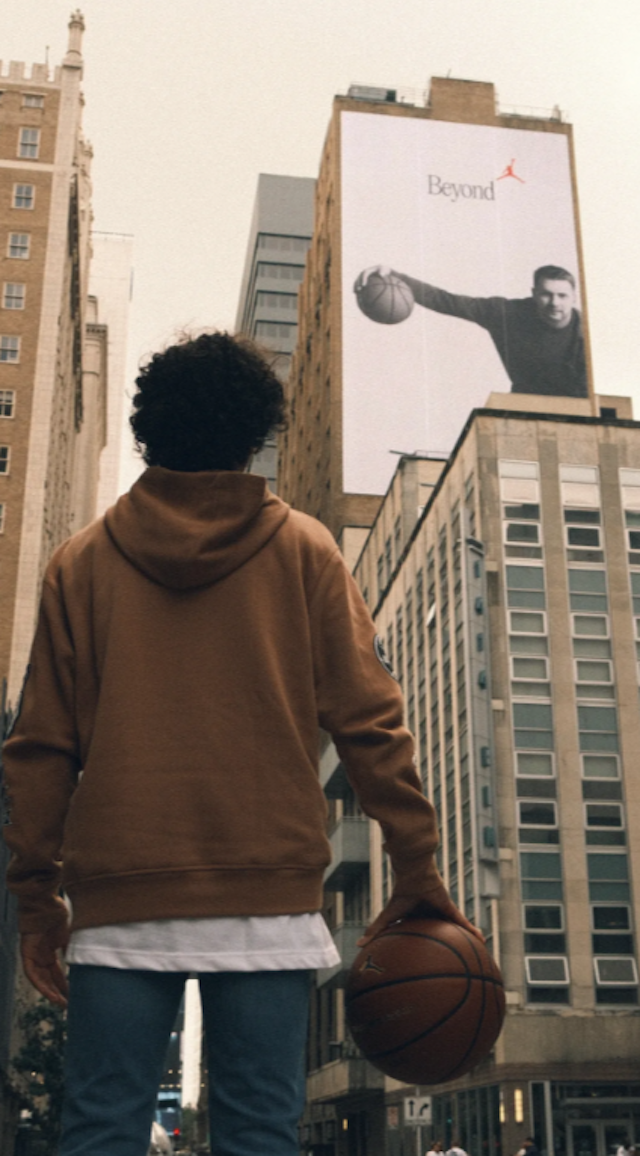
x,y
443,226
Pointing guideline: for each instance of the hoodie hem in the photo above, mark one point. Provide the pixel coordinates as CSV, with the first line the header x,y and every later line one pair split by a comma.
x,y
194,894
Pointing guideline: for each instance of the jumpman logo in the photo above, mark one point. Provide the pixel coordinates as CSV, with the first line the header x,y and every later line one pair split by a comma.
x,y
508,172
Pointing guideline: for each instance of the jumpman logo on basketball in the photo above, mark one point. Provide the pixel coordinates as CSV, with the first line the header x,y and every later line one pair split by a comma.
x,y
508,172
369,965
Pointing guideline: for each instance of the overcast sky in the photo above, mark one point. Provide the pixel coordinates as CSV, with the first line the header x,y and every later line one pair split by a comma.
x,y
187,102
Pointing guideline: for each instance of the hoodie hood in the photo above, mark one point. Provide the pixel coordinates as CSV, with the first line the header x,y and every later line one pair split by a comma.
x,y
185,530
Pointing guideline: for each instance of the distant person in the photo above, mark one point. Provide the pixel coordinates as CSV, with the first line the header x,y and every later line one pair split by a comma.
x,y
456,1150
529,1147
626,1148
538,338
437,1149
163,768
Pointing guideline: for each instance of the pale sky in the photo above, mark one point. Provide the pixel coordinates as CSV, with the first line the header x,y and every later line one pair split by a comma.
x,y
186,103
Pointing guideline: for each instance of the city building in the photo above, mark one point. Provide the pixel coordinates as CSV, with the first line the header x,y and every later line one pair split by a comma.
x,y
111,284
502,569
53,358
279,238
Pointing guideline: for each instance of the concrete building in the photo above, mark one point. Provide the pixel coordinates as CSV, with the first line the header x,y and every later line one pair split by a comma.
x,y
504,579
510,614
52,385
279,238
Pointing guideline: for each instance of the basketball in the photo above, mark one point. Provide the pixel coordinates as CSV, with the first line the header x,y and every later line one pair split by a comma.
x,y
424,1001
386,299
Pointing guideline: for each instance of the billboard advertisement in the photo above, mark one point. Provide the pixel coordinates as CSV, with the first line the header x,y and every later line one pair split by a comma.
x,y
459,278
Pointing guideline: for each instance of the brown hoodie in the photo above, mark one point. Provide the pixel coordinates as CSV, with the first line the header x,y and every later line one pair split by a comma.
x,y
165,759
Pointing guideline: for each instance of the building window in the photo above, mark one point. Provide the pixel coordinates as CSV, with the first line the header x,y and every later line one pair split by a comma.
x,y
7,402
598,728
13,295
533,729
24,196
280,272
552,970
19,246
525,586
286,301
2,517
524,623
275,329
535,764
541,875
604,824
580,486
29,143
5,459
283,244
9,349
32,100
608,875
588,590
600,767
537,821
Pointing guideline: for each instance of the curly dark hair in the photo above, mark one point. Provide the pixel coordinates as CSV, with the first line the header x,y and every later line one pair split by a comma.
x,y
207,403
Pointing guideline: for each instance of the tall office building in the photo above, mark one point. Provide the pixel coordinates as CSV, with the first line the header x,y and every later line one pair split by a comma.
x,y
488,503
279,238
52,385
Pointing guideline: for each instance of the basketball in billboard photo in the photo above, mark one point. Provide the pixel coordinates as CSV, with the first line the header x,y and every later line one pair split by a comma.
x,y
425,1001
385,298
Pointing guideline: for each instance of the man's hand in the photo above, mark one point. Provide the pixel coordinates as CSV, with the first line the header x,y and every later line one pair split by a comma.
x,y
436,904
42,964
383,271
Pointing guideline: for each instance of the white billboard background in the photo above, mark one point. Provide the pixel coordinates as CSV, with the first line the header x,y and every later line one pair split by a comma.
x,y
410,387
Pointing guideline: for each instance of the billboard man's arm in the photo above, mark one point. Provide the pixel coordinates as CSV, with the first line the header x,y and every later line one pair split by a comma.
x,y
483,311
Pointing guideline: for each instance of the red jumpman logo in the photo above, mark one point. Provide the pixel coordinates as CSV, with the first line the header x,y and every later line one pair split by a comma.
x,y
508,172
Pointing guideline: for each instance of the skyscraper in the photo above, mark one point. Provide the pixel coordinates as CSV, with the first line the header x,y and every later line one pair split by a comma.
x,y
279,238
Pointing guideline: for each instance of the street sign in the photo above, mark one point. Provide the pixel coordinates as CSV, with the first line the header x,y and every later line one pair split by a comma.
x,y
417,1110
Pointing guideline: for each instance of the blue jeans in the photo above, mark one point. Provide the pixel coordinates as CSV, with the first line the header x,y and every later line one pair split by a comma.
x,y
119,1024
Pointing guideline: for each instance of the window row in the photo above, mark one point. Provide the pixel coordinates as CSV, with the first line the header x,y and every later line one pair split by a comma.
x,y
280,272
31,99
283,244
538,822
287,301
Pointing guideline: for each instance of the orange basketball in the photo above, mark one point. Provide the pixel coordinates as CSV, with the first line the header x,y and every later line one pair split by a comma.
x,y
386,299
425,1001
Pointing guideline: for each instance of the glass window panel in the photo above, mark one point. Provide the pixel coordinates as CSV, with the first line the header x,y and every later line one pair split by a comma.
x,y
596,690
606,838
615,970
530,788
528,644
600,767
612,944
634,539
597,718
594,624
632,517
593,671
545,943
545,918
611,918
569,473
534,865
530,667
541,970
604,815
532,599
598,742
526,532
582,517
527,623
519,490
607,866
531,689
526,510
582,536
518,469
594,602
547,889
530,763
544,835
592,647
590,581
526,552
580,494
532,715
618,892
629,477
536,740
525,577
538,814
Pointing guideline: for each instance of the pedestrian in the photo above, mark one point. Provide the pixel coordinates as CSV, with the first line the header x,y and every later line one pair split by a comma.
x,y
163,768
529,1147
456,1149
437,1149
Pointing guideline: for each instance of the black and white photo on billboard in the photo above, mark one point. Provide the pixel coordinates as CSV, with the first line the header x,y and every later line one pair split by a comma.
x,y
460,277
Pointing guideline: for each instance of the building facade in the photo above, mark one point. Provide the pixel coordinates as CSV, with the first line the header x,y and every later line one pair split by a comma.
x,y
53,353
279,238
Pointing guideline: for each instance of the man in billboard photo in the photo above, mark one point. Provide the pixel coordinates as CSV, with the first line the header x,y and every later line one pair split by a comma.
x,y
538,338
